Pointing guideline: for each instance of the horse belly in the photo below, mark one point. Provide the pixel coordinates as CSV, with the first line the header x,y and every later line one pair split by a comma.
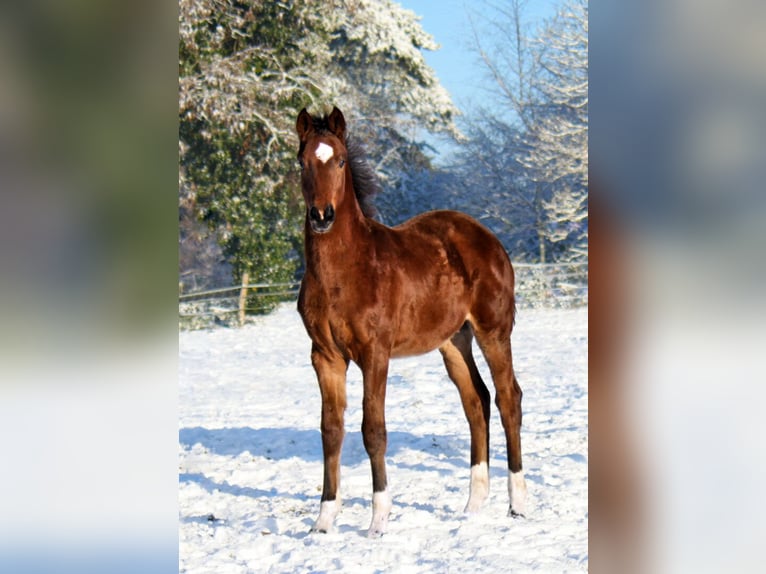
x,y
427,330
417,347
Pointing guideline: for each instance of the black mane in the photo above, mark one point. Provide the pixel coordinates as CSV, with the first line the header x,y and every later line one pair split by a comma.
x,y
363,177
365,180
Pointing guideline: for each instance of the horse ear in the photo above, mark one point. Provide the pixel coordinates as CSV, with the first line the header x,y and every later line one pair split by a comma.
x,y
304,124
337,124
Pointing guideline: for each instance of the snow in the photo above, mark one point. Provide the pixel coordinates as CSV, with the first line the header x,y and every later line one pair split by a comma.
x,y
250,458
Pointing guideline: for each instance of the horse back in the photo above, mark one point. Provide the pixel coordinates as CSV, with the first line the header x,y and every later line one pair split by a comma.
x,y
460,243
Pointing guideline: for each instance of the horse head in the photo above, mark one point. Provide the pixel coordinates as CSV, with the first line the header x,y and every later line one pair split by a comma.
x,y
323,159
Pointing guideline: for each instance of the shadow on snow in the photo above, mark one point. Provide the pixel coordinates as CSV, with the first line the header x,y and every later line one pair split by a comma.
x,y
306,444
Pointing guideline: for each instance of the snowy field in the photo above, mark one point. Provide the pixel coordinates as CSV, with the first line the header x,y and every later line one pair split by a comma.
x,y
250,458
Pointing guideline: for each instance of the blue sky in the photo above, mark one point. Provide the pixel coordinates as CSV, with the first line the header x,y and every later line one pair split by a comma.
x,y
455,63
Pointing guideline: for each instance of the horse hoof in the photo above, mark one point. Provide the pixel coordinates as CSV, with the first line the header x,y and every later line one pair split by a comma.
x,y
513,514
374,533
317,530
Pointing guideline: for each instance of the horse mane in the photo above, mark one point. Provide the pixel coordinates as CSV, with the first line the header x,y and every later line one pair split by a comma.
x,y
363,178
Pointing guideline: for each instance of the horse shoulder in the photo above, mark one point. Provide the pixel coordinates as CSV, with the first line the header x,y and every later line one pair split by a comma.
x,y
311,306
328,329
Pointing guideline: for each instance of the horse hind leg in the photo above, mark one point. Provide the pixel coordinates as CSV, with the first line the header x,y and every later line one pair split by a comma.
x,y
374,373
474,395
496,347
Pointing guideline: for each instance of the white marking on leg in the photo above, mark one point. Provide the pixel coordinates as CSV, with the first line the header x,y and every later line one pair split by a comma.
x,y
381,507
479,487
517,492
328,510
323,152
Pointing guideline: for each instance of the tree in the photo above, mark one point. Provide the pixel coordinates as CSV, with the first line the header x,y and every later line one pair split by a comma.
x,y
527,154
240,75
247,67
558,134
391,97
495,187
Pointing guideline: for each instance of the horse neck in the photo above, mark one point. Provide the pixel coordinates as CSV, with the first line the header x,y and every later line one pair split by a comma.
x,y
346,241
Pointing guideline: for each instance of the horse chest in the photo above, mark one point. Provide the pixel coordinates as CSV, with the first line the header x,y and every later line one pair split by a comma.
x,y
335,317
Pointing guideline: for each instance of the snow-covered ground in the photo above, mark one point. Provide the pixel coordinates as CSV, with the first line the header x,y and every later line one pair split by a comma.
x,y
250,458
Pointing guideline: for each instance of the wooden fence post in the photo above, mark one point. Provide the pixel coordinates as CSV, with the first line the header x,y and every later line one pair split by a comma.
x,y
243,297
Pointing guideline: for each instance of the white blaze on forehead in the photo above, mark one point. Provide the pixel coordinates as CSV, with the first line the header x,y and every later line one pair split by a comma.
x,y
323,152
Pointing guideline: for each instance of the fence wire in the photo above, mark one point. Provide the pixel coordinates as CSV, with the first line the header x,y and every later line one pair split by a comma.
x,y
553,285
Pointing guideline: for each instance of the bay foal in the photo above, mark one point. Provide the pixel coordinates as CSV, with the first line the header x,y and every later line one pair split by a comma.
x,y
372,292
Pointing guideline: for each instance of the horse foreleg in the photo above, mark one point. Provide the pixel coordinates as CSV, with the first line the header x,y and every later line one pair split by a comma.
x,y
331,373
375,372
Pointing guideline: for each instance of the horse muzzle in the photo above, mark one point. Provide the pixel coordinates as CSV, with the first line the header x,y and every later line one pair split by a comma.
x,y
321,221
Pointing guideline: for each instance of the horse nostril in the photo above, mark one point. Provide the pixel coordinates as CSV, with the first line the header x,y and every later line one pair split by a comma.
x,y
329,214
314,214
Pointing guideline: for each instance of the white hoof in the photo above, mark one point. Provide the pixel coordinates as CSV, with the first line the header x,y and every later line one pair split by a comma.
x,y
517,492
328,510
479,488
381,507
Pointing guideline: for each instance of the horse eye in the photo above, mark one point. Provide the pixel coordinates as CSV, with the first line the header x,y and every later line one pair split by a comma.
x,y
341,163
300,162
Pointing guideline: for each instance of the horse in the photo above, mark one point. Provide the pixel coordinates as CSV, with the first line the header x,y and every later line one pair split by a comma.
x,y
372,292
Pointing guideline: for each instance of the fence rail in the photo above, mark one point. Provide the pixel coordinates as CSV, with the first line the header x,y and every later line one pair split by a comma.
x,y
551,284
237,288
537,285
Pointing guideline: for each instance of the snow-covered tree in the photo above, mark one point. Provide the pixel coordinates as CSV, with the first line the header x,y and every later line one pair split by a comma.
x,y
531,141
247,67
242,80
558,133
493,185
391,93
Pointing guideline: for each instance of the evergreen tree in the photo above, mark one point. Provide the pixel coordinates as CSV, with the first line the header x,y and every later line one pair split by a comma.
x,y
246,69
